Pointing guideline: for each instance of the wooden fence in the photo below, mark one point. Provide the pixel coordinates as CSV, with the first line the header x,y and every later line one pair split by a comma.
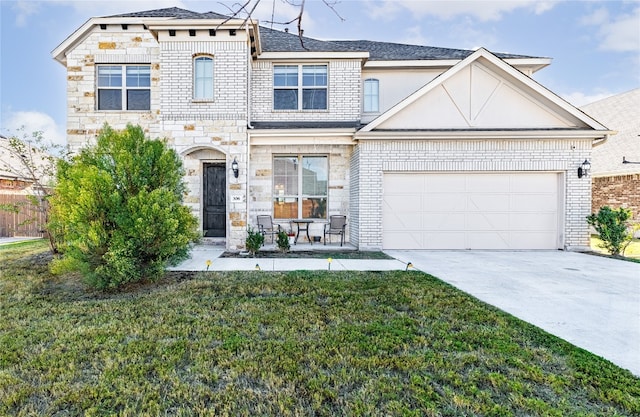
x,y
27,221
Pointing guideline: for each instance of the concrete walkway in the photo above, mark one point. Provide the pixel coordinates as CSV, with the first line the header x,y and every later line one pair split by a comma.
x,y
200,254
7,240
590,301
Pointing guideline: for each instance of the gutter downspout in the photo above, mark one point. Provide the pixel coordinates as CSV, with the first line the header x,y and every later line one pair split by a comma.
x,y
600,141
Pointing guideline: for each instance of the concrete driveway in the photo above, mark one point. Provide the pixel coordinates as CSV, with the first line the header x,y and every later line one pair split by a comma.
x,y
590,301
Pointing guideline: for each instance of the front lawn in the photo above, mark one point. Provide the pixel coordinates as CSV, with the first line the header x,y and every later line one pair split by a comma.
x,y
297,343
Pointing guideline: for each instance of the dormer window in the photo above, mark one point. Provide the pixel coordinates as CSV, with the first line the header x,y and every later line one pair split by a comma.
x,y
203,78
300,87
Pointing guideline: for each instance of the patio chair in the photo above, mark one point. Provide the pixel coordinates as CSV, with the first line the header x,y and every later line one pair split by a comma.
x,y
266,226
335,226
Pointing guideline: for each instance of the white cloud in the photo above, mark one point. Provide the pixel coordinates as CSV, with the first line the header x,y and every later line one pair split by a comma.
x,y
482,10
23,10
34,121
619,34
623,34
578,98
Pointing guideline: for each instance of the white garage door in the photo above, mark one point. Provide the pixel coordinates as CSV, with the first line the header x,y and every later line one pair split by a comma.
x,y
470,211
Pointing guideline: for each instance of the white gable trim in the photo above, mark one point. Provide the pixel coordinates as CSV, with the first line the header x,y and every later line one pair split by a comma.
x,y
502,65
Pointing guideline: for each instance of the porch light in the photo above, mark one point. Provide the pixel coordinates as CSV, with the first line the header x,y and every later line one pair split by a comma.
x,y
583,170
234,168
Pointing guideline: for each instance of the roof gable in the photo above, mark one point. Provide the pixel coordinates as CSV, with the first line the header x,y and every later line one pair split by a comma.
x,y
482,92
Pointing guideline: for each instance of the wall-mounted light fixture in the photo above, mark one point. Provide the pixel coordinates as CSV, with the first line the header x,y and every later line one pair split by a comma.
x,y
583,170
234,168
624,161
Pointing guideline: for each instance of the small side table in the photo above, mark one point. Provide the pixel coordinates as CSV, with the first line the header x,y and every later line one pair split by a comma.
x,y
303,225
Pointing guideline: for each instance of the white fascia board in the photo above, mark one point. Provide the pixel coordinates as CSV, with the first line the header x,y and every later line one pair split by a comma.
x,y
483,134
432,63
301,136
294,56
59,53
193,23
501,65
534,64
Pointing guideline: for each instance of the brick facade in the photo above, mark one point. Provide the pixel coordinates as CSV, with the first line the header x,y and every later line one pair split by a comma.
x,y
261,179
498,155
220,130
343,95
617,191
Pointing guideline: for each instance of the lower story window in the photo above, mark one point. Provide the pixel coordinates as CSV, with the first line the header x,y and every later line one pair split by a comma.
x,y
300,184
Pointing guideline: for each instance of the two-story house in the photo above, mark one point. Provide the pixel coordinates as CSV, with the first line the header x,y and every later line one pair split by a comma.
x,y
420,147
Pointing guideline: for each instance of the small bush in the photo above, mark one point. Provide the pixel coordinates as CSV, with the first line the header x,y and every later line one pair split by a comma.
x,y
254,240
613,228
283,241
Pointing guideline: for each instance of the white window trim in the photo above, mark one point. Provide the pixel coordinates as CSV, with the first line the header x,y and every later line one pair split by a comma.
x,y
377,96
300,88
213,79
300,196
123,87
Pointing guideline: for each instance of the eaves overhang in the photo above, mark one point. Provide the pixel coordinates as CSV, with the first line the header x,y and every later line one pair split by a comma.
x,y
296,56
273,137
153,24
484,134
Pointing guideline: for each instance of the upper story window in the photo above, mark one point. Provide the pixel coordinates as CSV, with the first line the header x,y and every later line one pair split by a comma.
x,y
371,96
125,87
203,78
300,87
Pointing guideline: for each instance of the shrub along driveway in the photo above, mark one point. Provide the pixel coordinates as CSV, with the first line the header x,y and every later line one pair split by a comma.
x,y
590,301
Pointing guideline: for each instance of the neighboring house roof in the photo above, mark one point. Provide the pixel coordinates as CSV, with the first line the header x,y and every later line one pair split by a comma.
x,y
622,113
12,168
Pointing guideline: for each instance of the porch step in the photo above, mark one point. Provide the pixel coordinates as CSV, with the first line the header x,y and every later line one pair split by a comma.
x,y
214,241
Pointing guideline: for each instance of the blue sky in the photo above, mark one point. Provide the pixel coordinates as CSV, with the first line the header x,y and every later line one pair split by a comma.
x,y
595,45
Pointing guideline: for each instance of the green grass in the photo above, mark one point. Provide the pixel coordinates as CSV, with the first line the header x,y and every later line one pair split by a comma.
x,y
292,344
632,252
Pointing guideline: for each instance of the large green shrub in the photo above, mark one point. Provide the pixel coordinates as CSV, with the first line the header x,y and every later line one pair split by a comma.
x,y
117,209
613,228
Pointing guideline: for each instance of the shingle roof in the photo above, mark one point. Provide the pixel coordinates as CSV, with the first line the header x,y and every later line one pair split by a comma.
x,y
388,51
307,125
174,12
621,113
280,41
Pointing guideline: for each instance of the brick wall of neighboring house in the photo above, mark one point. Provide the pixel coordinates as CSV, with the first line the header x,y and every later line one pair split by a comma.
x,y
617,191
506,155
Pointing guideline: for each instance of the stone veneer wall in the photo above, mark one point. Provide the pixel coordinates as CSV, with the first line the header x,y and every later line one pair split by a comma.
x,y
617,191
343,95
261,179
110,46
208,130
200,130
552,155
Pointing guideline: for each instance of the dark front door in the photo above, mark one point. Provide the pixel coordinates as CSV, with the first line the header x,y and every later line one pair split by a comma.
x,y
215,200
